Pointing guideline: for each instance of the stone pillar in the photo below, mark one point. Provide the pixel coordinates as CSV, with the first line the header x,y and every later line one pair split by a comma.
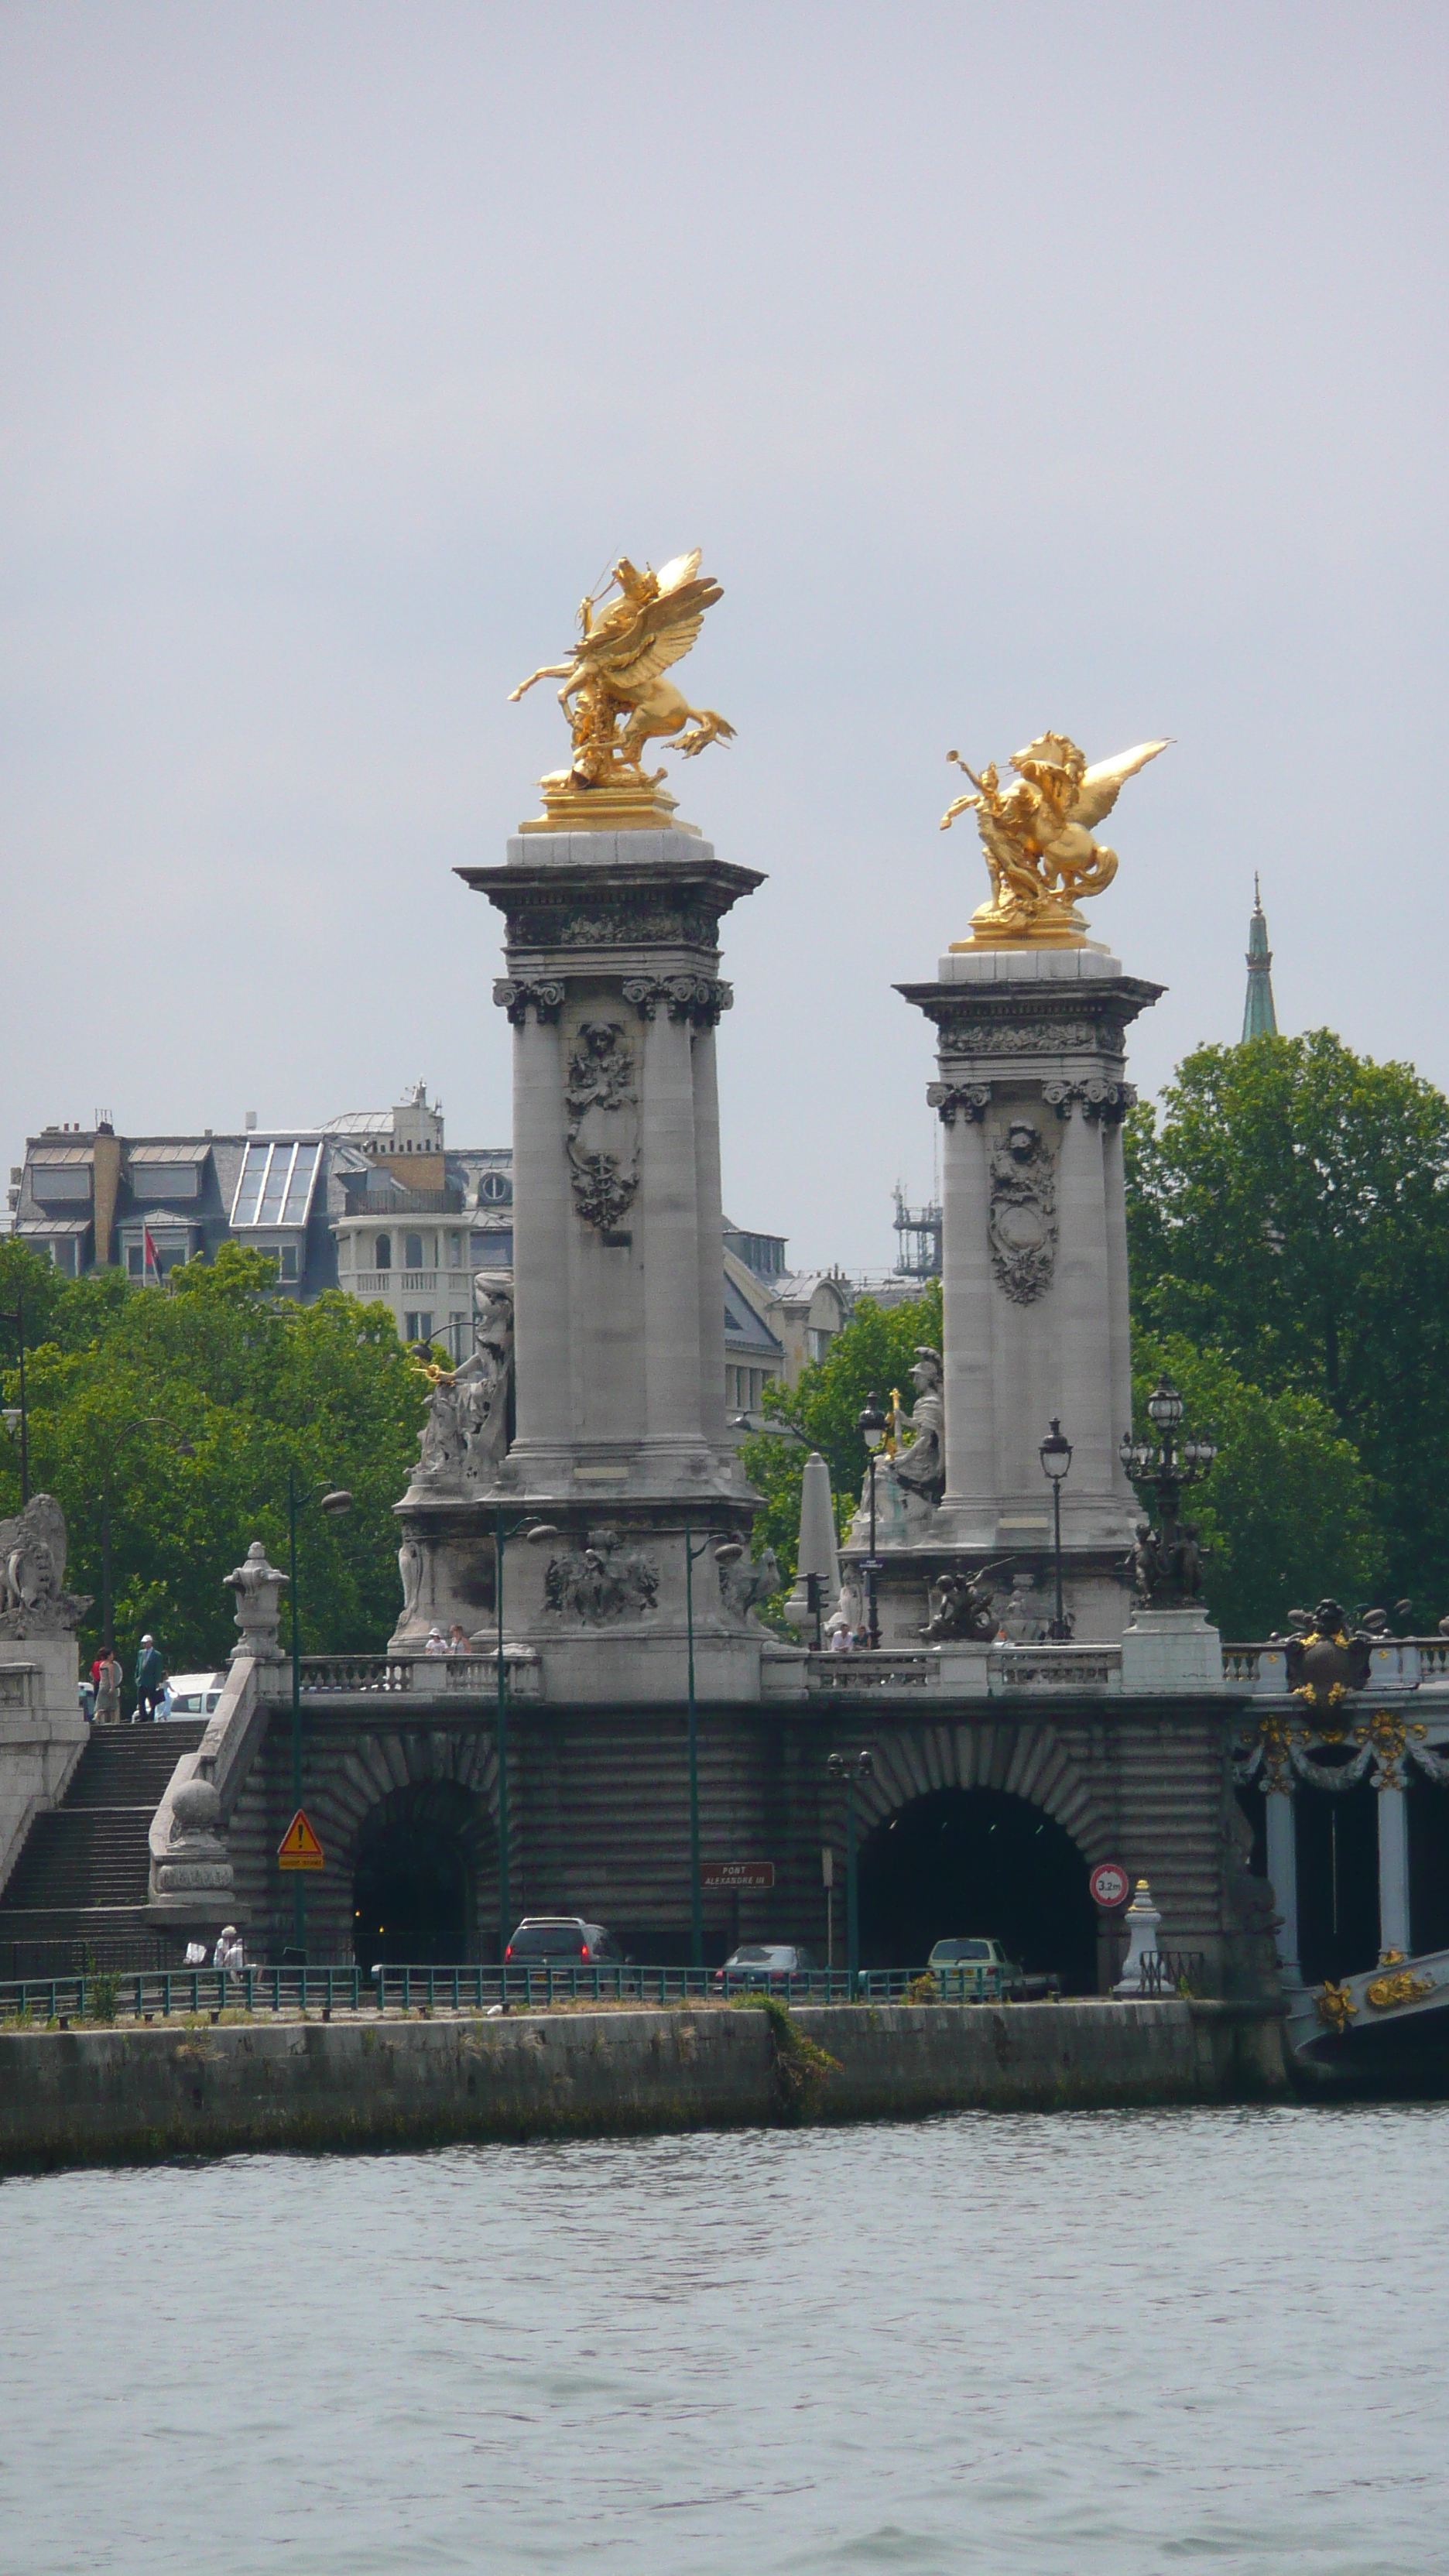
x,y
1084,1395
1393,1814
1278,1808
709,1236
543,1358
966,1268
1120,1337
669,1205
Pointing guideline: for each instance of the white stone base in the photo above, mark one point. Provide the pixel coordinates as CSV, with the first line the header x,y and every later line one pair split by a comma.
x,y
1171,1650
42,1734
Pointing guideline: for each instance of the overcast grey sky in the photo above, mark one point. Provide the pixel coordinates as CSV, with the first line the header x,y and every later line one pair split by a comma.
x,y
1018,366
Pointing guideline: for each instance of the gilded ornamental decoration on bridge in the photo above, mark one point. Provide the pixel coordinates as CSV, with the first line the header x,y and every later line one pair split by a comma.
x,y
1037,838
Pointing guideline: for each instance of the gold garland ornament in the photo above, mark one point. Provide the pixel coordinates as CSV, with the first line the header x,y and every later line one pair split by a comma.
x,y
1336,2006
1402,1988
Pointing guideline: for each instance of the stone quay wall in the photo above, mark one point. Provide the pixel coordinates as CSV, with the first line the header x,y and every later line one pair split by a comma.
x,y
598,1807
126,2094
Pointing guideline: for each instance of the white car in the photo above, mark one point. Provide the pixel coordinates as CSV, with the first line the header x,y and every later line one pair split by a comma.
x,y
194,1694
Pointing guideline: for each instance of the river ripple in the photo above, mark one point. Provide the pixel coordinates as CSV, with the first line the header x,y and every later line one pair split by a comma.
x,y
1133,2342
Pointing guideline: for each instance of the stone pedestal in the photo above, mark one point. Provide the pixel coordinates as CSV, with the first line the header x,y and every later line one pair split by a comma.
x,y
1031,1093
1171,1650
42,1733
614,993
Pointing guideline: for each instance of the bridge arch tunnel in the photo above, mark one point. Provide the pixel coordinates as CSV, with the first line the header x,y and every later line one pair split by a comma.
x,y
978,1861
424,1858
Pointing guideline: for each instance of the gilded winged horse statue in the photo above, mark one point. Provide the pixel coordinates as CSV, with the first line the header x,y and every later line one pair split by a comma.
x,y
616,676
1037,836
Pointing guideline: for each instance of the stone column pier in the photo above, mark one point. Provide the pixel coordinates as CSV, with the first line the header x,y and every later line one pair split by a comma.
x,y
1031,1093
614,992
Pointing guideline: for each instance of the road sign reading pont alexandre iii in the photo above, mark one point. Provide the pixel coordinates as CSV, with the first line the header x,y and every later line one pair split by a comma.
x,y
299,1847
737,1873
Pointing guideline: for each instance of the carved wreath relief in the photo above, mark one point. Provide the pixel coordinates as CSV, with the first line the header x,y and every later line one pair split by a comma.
x,y
1022,1228
602,1141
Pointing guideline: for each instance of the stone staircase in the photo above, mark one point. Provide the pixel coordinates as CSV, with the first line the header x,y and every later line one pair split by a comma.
x,y
82,1875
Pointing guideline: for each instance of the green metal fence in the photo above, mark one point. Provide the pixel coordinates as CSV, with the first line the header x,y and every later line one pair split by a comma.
x,y
157,1994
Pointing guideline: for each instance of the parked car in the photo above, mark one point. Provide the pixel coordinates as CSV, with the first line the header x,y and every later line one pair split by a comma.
x,y
565,1939
764,1963
976,1966
194,1694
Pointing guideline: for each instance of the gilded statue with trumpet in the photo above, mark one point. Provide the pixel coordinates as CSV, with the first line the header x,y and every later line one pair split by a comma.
x,y
617,698
1037,837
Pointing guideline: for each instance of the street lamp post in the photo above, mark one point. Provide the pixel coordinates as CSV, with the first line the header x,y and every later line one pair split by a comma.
x,y
841,1766
1167,1467
1056,1457
871,1425
335,1500
534,1531
17,1417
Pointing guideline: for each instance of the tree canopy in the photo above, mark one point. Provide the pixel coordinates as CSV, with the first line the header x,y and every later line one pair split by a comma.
x,y
1289,1211
251,1383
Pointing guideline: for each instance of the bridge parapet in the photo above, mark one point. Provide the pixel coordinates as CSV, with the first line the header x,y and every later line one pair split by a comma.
x,y
419,1676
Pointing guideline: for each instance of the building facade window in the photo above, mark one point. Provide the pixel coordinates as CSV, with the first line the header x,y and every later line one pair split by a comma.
x,y
417,1328
383,1254
412,1252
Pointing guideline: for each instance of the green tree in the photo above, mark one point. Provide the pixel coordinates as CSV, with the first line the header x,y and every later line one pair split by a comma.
x,y
251,1383
1286,1511
1290,1211
873,1354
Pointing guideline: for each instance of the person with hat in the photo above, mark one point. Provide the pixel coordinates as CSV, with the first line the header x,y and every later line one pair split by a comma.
x,y
150,1674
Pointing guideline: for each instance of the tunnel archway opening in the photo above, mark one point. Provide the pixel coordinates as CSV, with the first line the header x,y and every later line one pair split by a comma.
x,y
978,1862
415,1879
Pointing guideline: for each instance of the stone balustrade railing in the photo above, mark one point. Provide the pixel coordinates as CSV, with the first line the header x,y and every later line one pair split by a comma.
x,y
972,1671
423,1676
1401,1663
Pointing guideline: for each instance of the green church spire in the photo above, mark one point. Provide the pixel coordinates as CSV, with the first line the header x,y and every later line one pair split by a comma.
x,y
1260,1020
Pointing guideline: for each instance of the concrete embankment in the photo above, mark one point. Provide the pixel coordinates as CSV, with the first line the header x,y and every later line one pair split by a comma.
x,y
126,2093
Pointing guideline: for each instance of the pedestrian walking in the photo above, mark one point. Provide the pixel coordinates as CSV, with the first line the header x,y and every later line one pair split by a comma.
x,y
87,1699
106,1673
149,1676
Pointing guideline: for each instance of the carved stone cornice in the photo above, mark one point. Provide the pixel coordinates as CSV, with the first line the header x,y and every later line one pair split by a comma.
x,y
979,1022
697,998
518,996
970,1100
1109,1101
676,902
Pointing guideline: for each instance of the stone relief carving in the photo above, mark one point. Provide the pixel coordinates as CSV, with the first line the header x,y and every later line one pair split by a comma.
x,y
33,1598
603,1155
410,1574
699,998
605,1579
1023,1222
616,925
970,1099
1032,1037
1109,1101
960,1610
748,1582
518,996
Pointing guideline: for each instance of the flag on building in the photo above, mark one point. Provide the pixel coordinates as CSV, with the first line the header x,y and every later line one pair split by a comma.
x,y
153,1267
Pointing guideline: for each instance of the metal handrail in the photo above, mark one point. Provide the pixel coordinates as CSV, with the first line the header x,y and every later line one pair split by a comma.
x,y
151,1994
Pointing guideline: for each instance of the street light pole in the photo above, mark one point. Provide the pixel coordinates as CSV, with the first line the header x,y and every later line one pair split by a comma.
x,y
870,1423
841,1767
501,1537
18,1319
334,1499
1056,1458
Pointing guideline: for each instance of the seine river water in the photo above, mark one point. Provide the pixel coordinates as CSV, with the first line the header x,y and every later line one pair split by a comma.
x,y
1111,2344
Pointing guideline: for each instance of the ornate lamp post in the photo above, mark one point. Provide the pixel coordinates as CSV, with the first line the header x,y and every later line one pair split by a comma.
x,y
1168,1570
843,1766
871,1424
1055,1454
534,1532
17,1416
335,1501
729,1554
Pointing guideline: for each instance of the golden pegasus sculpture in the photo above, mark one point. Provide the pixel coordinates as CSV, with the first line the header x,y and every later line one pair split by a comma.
x,y
1037,837
615,679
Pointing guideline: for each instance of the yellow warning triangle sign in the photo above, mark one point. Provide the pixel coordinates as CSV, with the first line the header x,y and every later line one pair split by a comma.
x,y
299,1847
